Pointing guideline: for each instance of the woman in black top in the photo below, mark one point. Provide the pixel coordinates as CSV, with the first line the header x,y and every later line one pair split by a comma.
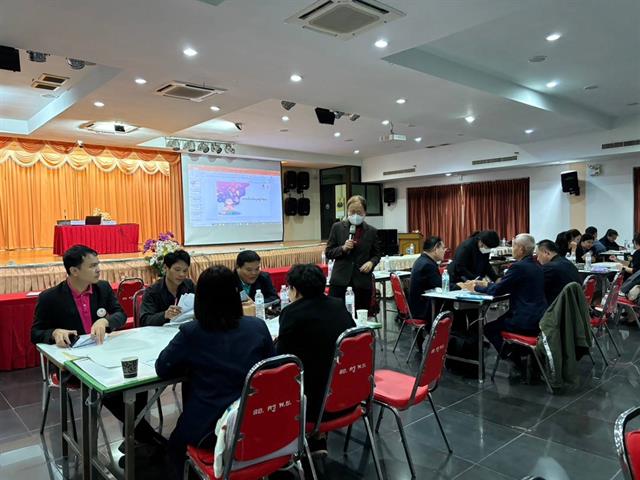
x,y
471,258
567,242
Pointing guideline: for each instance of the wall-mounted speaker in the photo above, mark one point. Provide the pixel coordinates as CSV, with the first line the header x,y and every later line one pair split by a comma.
x,y
291,206
389,195
290,181
304,206
303,181
570,183
9,59
325,116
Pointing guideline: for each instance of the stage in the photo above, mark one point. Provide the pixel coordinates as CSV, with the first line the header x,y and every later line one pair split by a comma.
x,y
38,269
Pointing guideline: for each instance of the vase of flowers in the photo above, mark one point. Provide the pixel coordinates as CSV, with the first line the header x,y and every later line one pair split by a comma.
x,y
105,215
156,248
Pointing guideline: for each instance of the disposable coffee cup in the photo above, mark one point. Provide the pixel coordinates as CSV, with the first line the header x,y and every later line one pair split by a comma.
x,y
130,367
362,316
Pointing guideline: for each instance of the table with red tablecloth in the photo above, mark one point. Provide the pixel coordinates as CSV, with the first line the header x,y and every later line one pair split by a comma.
x,y
120,238
16,317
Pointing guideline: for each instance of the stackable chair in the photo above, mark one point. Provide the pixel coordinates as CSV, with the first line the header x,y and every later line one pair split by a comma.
x,y
628,444
405,313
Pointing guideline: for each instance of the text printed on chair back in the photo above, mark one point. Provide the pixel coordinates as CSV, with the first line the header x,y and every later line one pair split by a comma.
x,y
433,359
398,296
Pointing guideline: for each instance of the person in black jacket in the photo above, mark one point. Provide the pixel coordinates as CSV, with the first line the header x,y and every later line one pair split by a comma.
x,y
609,240
249,278
558,271
567,242
214,352
425,275
471,258
585,245
160,300
309,328
85,304
355,247
634,264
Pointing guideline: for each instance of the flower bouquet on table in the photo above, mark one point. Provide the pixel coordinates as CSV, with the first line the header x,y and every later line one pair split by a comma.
x,y
99,213
156,248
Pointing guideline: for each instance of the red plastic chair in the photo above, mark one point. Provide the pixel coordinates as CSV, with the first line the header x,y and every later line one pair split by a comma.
x,y
270,418
53,382
589,287
126,290
397,391
403,309
601,317
628,444
137,304
349,391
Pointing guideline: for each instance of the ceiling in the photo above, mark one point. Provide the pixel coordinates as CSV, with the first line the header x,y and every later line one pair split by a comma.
x,y
448,59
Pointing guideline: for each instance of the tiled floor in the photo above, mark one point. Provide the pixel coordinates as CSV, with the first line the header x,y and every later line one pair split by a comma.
x,y
499,431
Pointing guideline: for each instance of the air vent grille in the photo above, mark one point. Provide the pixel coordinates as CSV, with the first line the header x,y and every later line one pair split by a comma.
x,y
53,79
495,160
188,91
626,143
44,86
398,172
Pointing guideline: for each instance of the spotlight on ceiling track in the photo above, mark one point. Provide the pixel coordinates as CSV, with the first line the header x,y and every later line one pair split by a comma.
x,y
338,114
190,146
287,105
173,143
228,148
217,148
37,57
353,117
203,147
239,125
76,64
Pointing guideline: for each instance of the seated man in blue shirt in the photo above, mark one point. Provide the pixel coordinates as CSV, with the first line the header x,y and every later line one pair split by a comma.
x,y
524,281
425,275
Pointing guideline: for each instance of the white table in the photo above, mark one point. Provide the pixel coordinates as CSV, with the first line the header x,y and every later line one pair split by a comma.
x,y
464,300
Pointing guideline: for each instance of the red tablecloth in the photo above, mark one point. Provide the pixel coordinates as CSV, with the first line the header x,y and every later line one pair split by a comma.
x,y
122,238
16,317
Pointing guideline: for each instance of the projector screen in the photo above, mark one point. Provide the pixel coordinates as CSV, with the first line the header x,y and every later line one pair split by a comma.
x,y
231,200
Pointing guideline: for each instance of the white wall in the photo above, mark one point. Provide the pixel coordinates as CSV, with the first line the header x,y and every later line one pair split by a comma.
x,y
607,199
299,228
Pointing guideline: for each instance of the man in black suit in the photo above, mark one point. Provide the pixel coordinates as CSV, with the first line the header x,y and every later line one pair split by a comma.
x,y
471,258
85,304
355,247
425,275
309,328
251,278
558,271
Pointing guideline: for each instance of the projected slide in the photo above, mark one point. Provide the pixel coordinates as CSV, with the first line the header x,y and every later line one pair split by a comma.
x,y
231,201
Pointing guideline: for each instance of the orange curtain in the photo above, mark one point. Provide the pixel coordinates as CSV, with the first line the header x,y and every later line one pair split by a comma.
x,y
437,211
41,182
502,206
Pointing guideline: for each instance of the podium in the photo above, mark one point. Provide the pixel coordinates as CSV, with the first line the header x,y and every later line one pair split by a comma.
x,y
406,239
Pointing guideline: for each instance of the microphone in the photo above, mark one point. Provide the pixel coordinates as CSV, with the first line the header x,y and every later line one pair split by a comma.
x,y
352,231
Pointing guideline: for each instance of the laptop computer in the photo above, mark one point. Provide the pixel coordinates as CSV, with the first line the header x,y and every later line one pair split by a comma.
x,y
93,220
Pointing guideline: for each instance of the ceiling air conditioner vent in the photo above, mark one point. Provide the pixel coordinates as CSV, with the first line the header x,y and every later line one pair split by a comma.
x,y
495,160
188,91
398,172
344,18
626,143
44,86
53,79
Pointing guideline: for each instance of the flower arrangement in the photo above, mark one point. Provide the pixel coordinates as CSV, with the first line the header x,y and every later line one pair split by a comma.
x,y
105,215
156,249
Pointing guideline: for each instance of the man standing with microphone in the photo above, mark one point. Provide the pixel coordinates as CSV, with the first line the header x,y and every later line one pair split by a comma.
x,y
354,246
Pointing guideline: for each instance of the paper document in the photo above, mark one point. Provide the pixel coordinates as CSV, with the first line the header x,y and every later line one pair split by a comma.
x,y
273,324
186,304
110,377
85,341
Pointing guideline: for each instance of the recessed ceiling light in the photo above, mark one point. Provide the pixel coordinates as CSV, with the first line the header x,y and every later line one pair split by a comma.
x,y
553,37
190,52
285,118
470,119
537,58
552,84
215,108
140,81
385,122
98,104
591,87
337,134
295,78
448,174
418,139
381,43
356,152
529,131
401,101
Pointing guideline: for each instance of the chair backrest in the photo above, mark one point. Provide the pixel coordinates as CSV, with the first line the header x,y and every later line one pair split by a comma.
x,y
270,414
398,295
432,363
628,444
589,287
126,289
137,305
610,302
351,376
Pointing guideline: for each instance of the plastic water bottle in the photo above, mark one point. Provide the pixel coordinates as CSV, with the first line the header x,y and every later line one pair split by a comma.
x,y
411,249
386,263
259,301
284,297
324,258
587,262
445,281
503,243
350,302
330,269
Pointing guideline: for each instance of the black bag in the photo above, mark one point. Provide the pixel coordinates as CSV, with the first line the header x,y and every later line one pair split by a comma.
x,y
463,345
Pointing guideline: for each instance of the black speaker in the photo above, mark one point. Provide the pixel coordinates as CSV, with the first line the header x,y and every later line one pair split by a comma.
x,y
570,182
290,181
9,59
303,181
389,195
325,116
388,239
304,206
291,206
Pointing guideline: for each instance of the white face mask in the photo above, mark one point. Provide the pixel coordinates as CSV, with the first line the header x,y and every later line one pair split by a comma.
x,y
356,219
485,250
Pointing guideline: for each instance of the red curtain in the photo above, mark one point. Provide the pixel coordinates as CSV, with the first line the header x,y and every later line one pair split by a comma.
x,y
453,212
636,200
